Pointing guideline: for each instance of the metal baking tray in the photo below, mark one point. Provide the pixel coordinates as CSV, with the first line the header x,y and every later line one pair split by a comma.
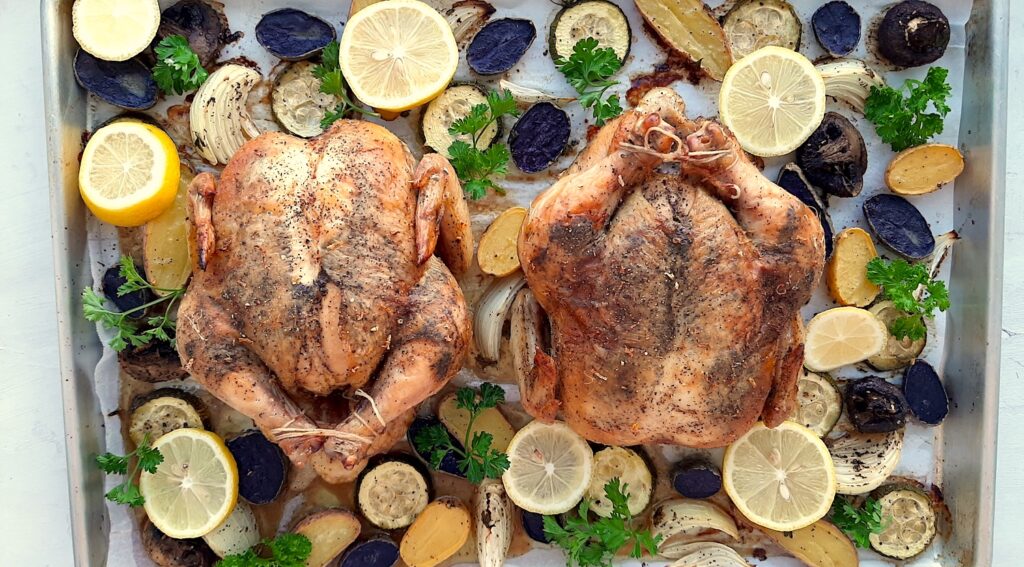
x,y
973,325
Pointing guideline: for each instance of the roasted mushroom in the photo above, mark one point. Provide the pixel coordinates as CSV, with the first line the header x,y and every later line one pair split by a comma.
x,y
912,33
127,84
835,158
292,35
169,552
202,23
875,406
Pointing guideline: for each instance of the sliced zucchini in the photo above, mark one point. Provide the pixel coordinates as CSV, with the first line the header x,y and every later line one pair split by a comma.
x,y
910,526
392,491
598,19
454,103
754,24
819,403
297,102
863,461
163,411
632,472
897,353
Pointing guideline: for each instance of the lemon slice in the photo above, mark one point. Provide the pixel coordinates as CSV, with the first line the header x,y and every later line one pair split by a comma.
x,y
772,100
781,478
398,54
819,403
129,173
550,468
115,30
631,470
841,336
195,488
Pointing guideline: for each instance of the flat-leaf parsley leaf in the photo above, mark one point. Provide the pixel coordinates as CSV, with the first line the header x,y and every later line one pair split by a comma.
x,y
905,121
285,550
858,523
178,69
146,458
900,281
476,166
333,83
588,70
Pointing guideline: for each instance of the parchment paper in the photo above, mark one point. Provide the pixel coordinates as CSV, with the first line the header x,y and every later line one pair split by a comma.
x,y
921,457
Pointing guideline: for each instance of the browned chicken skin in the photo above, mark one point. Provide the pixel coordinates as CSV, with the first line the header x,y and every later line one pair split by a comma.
x,y
316,295
673,318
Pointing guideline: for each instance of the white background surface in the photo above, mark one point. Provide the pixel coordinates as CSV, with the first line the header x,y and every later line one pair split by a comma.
x,y
34,523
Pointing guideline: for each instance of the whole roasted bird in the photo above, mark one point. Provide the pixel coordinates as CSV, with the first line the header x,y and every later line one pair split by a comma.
x,y
316,307
673,298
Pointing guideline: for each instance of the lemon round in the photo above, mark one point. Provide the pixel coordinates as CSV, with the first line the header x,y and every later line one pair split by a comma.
x,y
115,30
550,467
195,488
398,54
129,173
772,100
841,336
782,478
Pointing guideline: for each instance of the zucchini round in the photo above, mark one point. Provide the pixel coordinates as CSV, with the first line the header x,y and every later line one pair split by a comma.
x,y
897,353
392,491
297,102
754,24
163,411
911,521
631,470
598,19
455,103
819,403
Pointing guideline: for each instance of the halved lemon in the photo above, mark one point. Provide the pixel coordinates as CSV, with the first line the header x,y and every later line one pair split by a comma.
x,y
115,30
772,100
195,488
841,336
781,478
549,469
398,54
129,173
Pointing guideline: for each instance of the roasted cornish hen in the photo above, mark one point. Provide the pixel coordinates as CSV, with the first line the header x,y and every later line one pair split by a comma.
x,y
316,293
673,297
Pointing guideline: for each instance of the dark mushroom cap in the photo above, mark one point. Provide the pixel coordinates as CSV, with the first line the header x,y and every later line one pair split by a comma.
x,y
875,406
291,34
912,33
834,157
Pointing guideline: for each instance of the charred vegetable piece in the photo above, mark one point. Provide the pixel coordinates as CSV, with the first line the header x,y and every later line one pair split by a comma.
x,y
533,525
169,552
835,157
127,84
598,19
437,534
377,552
697,478
923,169
262,467
330,531
898,352
912,33
925,393
792,179
112,280
753,24
900,226
450,463
292,34
539,137
500,45
911,526
202,23
875,405
393,490
837,26
155,362
163,411
847,279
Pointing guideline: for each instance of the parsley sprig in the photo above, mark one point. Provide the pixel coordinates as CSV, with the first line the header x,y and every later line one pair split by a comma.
x,y
478,461
333,83
905,121
178,69
475,166
858,523
594,543
588,70
285,550
146,458
900,281
129,332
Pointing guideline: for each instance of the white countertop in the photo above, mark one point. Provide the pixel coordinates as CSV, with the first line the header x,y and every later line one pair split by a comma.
x,y
34,524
